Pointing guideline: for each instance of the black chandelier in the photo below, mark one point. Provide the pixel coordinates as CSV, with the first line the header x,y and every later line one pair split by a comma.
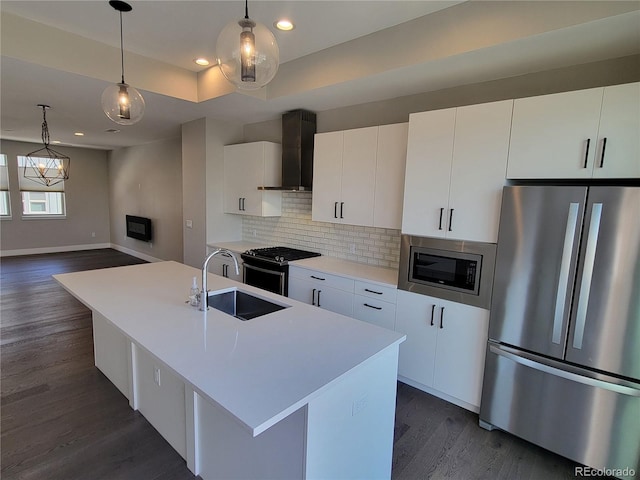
x,y
45,165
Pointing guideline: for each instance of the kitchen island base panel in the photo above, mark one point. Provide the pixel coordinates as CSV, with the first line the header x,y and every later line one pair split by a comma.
x,y
439,394
112,355
350,426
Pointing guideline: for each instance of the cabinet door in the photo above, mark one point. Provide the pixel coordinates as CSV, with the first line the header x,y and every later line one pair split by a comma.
x,y
619,157
335,300
417,352
460,351
327,174
237,162
224,266
478,172
554,136
428,171
302,290
390,166
358,176
376,312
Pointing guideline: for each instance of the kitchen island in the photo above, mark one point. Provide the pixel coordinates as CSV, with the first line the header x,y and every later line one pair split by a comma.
x,y
298,393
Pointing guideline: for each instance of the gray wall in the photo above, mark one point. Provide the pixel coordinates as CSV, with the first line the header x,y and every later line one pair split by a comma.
x,y
397,110
87,205
202,184
146,180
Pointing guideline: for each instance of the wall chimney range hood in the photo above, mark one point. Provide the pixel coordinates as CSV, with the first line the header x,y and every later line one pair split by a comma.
x,y
298,130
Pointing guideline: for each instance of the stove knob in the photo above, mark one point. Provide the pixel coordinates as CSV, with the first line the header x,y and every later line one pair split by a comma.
x,y
279,259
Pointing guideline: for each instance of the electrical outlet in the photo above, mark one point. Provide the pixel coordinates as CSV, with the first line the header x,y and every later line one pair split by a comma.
x,y
189,223
359,405
156,376
352,248
254,232
93,234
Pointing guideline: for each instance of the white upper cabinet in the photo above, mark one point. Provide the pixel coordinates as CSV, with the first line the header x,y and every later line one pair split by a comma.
x,y
563,135
456,164
618,150
390,166
358,176
248,166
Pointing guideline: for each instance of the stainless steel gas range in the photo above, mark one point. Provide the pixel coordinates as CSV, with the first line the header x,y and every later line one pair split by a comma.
x,y
268,268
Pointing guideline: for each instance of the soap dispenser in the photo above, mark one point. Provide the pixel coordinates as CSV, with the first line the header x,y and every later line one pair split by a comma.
x,y
194,293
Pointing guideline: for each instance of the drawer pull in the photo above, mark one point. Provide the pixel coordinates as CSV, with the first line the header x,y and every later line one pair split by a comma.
x,y
313,297
371,306
372,291
317,278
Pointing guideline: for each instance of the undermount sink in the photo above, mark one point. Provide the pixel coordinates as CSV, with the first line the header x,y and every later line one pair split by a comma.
x,y
242,305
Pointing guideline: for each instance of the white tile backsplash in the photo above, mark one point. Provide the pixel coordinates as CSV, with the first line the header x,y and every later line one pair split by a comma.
x,y
373,246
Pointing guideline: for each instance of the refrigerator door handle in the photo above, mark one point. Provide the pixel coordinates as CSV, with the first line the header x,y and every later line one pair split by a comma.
x,y
565,270
574,377
587,273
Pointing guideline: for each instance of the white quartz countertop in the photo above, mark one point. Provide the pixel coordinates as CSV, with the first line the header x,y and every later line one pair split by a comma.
x,y
239,246
354,270
259,370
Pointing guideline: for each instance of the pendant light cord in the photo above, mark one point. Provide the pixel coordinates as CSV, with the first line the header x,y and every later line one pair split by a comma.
x,y
121,48
246,9
45,127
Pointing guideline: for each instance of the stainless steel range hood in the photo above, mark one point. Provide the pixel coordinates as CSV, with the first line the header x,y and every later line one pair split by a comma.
x,y
298,130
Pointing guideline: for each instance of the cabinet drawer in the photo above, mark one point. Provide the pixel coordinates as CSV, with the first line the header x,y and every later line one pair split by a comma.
x,y
321,279
373,290
374,311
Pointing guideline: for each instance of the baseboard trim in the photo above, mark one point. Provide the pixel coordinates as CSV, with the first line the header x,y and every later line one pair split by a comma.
x,y
439,394
66,248
133,253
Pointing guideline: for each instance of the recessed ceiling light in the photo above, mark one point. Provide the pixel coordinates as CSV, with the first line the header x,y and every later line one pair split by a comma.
x,y
203,62
79,134
284,25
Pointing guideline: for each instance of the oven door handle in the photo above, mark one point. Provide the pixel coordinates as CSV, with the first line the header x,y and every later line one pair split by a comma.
x,y
267,271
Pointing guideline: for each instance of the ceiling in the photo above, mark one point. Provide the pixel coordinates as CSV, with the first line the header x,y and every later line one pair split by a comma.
x,y
65,53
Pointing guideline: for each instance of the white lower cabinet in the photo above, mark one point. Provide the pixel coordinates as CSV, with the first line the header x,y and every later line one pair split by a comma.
x,y
323,290
224,266
445,346
375,304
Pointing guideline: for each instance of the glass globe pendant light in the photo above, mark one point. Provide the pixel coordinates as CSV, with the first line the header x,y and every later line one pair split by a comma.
x,y
121,102
247,52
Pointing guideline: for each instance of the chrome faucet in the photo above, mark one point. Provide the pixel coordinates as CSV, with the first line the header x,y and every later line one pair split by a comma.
x,y
205,265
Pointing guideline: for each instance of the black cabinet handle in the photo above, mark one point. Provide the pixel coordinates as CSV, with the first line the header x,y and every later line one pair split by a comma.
x,y
604,145
450,218
441,315
341,209
319,292
240,203
371,306
313,297
433,309
372,291
440,224
335,210
586,153
224,270
317,278
243,207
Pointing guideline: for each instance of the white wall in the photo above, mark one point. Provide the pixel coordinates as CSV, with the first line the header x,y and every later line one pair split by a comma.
x,y
87,205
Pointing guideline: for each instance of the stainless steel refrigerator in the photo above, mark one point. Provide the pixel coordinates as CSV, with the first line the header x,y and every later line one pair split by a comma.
x,y
563,360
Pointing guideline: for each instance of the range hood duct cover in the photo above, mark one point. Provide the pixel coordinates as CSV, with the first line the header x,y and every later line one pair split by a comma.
x,y
298,130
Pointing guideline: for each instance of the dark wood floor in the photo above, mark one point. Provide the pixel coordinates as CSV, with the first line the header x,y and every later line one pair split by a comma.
x,y
62,419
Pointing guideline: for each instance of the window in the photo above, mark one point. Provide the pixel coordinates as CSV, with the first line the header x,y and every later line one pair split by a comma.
x,y
5,204
39,200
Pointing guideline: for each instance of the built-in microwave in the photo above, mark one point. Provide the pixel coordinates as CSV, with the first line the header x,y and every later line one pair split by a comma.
x,y
455,270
